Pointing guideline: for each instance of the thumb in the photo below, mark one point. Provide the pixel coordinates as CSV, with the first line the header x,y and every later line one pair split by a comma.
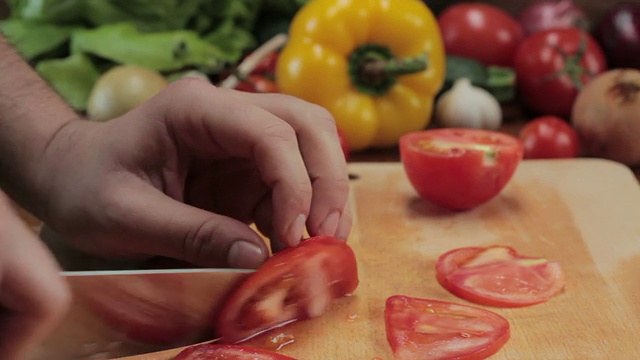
x,y
173,229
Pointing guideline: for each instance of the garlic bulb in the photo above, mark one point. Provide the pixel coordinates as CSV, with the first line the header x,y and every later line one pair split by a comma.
x,y
468,106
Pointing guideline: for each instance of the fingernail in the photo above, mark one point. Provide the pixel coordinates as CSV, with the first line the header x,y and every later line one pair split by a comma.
x,y
330,224
245,255
295,230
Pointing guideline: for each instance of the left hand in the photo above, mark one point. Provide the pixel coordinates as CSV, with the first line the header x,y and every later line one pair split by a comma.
x,y
183,174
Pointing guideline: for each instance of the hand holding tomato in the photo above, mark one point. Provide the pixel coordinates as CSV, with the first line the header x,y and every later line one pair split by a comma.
x,y
549,137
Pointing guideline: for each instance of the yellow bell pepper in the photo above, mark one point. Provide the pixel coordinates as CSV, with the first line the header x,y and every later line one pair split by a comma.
x,y
376,65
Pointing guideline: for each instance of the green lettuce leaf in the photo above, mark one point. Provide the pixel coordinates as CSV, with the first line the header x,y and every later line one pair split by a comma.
x,y
33,39
72,77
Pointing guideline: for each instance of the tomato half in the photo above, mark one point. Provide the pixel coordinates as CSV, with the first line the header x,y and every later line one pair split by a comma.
x,y
549,137
257,83
553,65
294,284
459,169
479,31
429,329
499,276
228,352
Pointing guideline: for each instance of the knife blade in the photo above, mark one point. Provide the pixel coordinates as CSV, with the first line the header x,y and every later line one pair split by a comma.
x,y
129,311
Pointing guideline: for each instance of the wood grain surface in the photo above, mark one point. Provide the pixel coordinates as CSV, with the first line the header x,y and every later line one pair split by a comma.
x,y
582,213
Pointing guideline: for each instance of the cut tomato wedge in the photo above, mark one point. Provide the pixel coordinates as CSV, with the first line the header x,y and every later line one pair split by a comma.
x,y
499,276
228,352
419,329
294,284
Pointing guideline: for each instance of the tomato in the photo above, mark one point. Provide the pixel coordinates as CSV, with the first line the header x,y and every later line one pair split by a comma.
x,y
499,276
479,31
459,169
268,64
258,84
553,65
549,137
228,352
294,284
431,329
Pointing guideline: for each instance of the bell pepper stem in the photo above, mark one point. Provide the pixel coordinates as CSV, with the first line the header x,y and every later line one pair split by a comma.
x,y
394,67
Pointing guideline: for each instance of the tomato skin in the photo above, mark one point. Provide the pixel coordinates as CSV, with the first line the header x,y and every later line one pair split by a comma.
x,y
462,176
498,276
540,58
257,83
227,352
424,328
549,137
482,32
294,284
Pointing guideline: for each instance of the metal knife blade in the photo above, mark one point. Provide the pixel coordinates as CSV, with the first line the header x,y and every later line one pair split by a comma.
x,y
117,313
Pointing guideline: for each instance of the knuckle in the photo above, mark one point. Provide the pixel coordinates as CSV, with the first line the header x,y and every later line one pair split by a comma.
x,y
199,245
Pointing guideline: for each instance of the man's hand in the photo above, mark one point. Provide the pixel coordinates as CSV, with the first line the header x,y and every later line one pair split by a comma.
x,y
183,174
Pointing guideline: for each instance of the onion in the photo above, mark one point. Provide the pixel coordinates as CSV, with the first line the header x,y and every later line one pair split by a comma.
x,y
619,35
606,115
548,14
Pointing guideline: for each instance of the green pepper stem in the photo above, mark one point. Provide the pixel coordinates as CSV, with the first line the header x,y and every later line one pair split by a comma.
x,y
373,68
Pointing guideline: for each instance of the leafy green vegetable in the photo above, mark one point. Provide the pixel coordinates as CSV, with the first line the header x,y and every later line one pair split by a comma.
x,y
33,40
161,51
71,77
48,11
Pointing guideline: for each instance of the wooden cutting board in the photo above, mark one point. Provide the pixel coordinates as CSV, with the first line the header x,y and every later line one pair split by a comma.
x,y
582,213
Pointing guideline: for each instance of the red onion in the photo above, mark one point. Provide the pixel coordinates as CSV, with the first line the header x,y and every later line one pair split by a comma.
x,y
619,35
548,14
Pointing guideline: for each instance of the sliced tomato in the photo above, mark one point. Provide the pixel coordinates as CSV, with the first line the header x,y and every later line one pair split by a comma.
x,y
294,284
420,329
228,352
459,168
499,276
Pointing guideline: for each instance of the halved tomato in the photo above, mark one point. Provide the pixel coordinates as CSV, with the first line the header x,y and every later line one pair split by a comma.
x,y
295,283
228,352
429,329
459,169
499,276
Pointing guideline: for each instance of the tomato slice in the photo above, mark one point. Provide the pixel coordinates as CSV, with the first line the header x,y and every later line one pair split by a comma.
x,y
499,276
420,329
228,352
459,169
294,284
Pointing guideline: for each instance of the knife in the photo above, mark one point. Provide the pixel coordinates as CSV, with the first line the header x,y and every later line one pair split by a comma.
x,y
121,308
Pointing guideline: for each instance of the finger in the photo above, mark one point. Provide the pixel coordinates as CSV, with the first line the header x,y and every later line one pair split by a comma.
x,y
323,156
33,295
209,122
345,224
177,230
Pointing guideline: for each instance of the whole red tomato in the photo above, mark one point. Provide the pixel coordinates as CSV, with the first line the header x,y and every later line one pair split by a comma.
x,y
459,169
482,32
549,137
553,65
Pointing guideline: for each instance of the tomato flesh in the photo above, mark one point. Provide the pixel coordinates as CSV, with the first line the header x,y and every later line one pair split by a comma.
x,y
549,137
459,169
420,329
294,284
499,276
228,352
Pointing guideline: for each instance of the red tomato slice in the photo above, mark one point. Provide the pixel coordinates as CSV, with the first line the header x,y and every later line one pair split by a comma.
x,y
420,329
228,352
498,276
294,284
459,169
